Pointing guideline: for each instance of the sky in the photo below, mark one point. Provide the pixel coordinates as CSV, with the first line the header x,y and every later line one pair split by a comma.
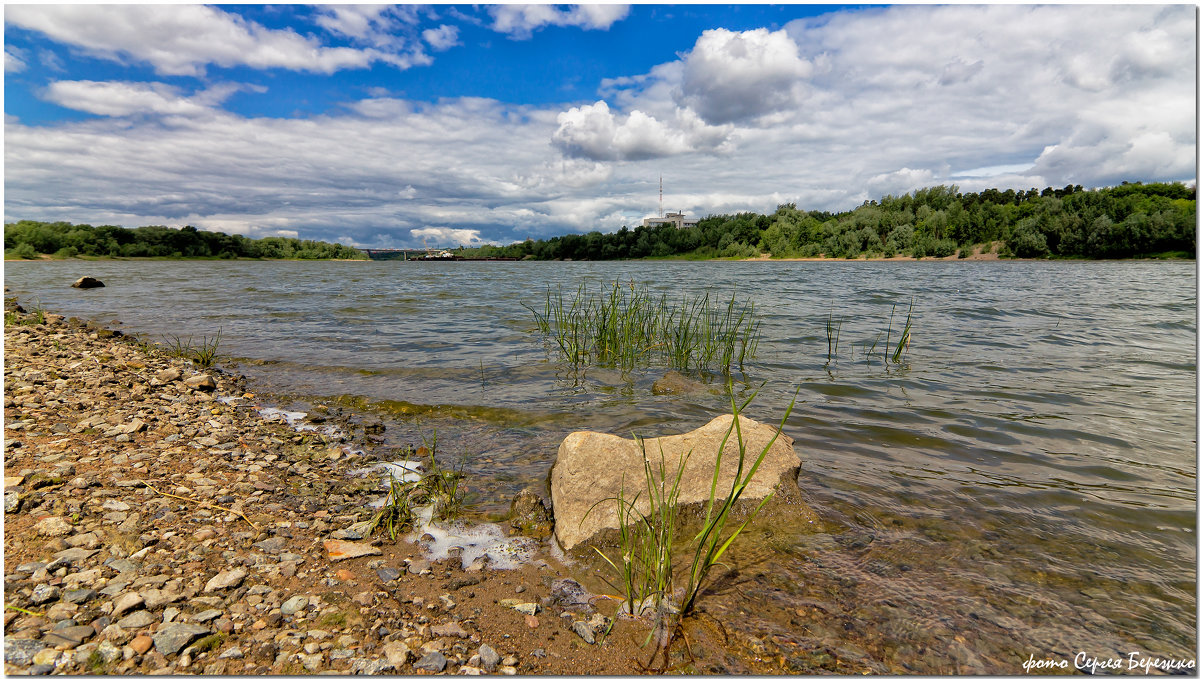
x,y
447,125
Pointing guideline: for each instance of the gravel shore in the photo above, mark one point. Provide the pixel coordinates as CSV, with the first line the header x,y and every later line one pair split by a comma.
x,y
157,523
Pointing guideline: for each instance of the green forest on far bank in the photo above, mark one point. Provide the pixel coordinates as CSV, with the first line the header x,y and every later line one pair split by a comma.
x,y
28,240
1130,220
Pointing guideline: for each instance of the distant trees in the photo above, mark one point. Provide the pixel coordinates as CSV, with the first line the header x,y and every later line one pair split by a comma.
x,y
1129,220
63,239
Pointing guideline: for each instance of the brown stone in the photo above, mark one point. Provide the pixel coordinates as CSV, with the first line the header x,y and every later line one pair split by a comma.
x,y
339,550
141,644
200,382
591,467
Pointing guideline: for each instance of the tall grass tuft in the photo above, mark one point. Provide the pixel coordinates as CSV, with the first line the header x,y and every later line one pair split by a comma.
x,y
627,326
647,540
905,335
203,354
833,333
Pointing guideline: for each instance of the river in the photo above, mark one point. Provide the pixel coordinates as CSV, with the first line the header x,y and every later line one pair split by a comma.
x,y
1022,483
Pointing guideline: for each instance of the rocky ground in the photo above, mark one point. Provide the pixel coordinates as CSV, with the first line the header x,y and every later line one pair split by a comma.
x,y
156,523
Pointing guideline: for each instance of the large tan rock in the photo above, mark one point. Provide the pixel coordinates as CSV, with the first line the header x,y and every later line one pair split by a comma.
x,y
590,468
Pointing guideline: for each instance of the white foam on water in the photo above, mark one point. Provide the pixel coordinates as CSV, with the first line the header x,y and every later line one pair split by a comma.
x,y
278,414
405,471
503,552
556,551
296,421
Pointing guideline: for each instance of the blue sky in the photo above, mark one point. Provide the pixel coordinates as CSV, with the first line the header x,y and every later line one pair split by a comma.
x,y
390,125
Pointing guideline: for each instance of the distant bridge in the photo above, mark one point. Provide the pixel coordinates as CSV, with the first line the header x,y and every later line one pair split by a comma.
x,y
396,253
423,255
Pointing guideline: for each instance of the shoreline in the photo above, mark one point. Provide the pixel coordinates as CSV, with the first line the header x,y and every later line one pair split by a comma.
x,y
157,523
152,506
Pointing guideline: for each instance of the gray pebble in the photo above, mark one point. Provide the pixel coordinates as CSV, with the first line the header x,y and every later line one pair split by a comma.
x,y
431,662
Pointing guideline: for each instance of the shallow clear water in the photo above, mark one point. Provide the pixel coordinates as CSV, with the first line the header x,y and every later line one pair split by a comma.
x,y
1033,456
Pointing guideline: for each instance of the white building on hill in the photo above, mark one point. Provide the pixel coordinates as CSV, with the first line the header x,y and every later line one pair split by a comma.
x,y
677,218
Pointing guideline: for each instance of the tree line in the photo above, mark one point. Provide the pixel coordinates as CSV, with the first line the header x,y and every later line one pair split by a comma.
x,y
29,239
1130,220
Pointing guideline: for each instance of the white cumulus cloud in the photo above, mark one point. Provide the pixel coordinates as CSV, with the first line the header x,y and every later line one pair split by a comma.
x,y
184,39
520,21
739,76
111,98
593,131
444,236
441,38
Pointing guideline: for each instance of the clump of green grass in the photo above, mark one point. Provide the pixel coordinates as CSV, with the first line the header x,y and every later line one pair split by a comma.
x,y
209,643
647,540
833,333
202,354
334,619
905,335
16,315
438,488
626,326
95,663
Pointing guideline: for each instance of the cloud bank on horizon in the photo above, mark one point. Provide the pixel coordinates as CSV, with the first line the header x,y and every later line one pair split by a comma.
x,y
391,126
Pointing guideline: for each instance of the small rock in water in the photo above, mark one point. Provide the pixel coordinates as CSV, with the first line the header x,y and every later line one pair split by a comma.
x,y
87,282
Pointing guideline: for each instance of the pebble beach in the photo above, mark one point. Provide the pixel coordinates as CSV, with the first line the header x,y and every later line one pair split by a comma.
x,y
158,520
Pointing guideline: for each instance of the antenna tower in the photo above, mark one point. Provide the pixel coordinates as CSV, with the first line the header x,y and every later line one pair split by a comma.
x,y
660,195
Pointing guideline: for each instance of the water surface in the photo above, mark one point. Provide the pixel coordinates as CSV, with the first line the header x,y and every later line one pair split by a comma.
x,y
1024,481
